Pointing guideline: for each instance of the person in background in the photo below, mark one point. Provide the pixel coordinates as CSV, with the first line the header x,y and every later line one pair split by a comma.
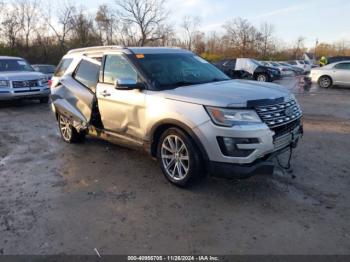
x,y
323,61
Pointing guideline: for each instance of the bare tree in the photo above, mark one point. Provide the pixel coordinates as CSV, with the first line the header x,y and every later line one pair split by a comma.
x,y
241,34
65,15
299,48
106,23
191,27
145,15
167,34
83,30
11,25
29,14
266,31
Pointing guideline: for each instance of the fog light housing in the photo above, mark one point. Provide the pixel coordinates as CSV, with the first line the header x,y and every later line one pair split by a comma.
x,y
228,146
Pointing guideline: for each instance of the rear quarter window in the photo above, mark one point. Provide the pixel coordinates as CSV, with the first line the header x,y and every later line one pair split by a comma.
x,y
63,66
87,74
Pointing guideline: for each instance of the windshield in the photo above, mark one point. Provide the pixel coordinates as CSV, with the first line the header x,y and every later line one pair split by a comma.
x,y
274,64
46,69
174,70
14,65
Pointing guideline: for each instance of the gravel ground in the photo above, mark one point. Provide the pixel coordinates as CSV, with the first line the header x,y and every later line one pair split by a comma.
x,y
57,198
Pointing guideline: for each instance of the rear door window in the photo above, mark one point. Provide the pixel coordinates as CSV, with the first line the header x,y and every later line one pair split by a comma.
x,y
87,74
63,66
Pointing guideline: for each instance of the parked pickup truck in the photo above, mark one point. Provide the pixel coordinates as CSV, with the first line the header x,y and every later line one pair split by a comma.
x,y
181,109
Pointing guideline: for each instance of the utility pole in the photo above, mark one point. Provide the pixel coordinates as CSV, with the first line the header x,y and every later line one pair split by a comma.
x,y
315,53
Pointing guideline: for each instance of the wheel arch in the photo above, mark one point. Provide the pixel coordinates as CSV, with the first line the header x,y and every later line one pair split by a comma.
x,y
163,125
324,75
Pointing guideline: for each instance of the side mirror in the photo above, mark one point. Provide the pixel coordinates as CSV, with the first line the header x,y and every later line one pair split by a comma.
x,y
127,84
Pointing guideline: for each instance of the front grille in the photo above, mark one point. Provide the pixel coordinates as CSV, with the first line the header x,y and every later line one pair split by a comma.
x,y
25,84
286,129
279,114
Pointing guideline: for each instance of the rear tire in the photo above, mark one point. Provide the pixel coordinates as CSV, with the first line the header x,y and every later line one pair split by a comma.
x,y
325,82
262,78
179,157
68,133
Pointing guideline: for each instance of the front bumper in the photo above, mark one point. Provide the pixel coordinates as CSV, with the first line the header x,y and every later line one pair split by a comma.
x,y
24,93
235,171
258,161
263,166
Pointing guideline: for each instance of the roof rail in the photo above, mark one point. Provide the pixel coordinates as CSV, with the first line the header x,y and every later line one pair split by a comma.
x,y
94,48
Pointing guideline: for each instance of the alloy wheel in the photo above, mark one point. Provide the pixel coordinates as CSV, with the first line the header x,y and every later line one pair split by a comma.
x,y
175,157
66,129
325,82
261,78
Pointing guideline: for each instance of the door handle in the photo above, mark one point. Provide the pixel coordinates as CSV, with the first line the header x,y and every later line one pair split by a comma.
x,y
105,93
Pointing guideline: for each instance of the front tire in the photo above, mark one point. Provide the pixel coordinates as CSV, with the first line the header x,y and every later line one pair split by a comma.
x,y
68,133
325,82
178,157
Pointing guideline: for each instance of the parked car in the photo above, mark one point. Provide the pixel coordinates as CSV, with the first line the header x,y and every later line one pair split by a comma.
x,y
302,64
295,69
284,70
332,74
335,59
246,68
47,70
18,80
177,106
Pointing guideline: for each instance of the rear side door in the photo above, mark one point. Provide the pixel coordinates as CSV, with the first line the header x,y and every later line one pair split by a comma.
x,y
341,73
75,95
122,111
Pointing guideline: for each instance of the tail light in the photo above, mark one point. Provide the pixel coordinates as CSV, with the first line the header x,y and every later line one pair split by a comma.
x,y
49,83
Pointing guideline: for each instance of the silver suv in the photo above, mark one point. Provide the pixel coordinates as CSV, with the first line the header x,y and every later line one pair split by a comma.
x,y
177,106
18,80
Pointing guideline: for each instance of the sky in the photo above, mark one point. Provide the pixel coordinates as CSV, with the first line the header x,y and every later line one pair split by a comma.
x,y
326,20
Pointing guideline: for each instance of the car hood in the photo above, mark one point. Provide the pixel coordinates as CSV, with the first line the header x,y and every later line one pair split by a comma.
x,y
232,93
20,76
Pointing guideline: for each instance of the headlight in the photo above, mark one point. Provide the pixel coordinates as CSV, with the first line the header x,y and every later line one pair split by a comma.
x,y
4,83
230,117
43,81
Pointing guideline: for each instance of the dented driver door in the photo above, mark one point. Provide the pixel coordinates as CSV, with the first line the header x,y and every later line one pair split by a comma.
x,y
122,111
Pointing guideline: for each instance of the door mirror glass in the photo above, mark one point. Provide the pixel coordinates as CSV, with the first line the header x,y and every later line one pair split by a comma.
x,y
127,84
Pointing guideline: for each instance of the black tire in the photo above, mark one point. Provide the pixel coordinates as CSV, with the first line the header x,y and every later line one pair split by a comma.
x,y
194,164
261,77
325,82
44,100
68,133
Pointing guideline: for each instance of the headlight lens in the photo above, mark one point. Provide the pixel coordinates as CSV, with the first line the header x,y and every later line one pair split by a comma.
x,y
4,83
231,117
43,81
